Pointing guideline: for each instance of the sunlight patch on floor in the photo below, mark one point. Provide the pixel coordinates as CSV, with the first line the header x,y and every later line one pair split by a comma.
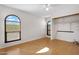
x,y
45,49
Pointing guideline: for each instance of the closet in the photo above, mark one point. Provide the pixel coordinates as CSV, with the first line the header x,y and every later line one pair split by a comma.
x,y
67,27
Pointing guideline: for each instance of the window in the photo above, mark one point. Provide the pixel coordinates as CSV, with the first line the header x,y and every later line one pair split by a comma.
x,y
12,28
48,28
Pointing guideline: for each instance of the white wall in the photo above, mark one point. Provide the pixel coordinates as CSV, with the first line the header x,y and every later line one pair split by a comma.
x,y
32,27
63,10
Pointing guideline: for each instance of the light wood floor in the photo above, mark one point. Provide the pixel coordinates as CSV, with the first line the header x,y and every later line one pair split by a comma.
x,y
56,47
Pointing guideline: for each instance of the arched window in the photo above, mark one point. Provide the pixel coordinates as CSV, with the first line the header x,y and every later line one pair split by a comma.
x,y
48,28
12,28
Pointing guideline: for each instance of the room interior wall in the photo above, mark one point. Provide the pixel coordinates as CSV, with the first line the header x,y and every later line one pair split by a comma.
x,y
32,27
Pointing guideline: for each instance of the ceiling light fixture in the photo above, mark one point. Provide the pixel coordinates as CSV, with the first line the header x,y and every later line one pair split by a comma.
x,y
47,7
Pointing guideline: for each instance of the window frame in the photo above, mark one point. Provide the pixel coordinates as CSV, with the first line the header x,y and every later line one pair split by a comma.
x,y
5,22
48,28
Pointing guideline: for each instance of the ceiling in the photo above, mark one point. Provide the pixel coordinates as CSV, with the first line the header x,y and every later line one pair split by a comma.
x,y
40,9
35,9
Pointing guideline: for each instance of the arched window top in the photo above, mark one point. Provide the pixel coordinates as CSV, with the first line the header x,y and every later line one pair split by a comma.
x,y
12,18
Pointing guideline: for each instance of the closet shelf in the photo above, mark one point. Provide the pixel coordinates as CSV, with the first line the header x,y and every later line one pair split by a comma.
x,y
66,31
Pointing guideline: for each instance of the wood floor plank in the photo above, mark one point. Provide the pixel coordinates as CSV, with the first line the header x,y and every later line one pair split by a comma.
x,y
55,47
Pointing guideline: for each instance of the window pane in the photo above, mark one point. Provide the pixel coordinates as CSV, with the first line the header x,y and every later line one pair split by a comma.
x,y
12,18
12,26
48,28
13,36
